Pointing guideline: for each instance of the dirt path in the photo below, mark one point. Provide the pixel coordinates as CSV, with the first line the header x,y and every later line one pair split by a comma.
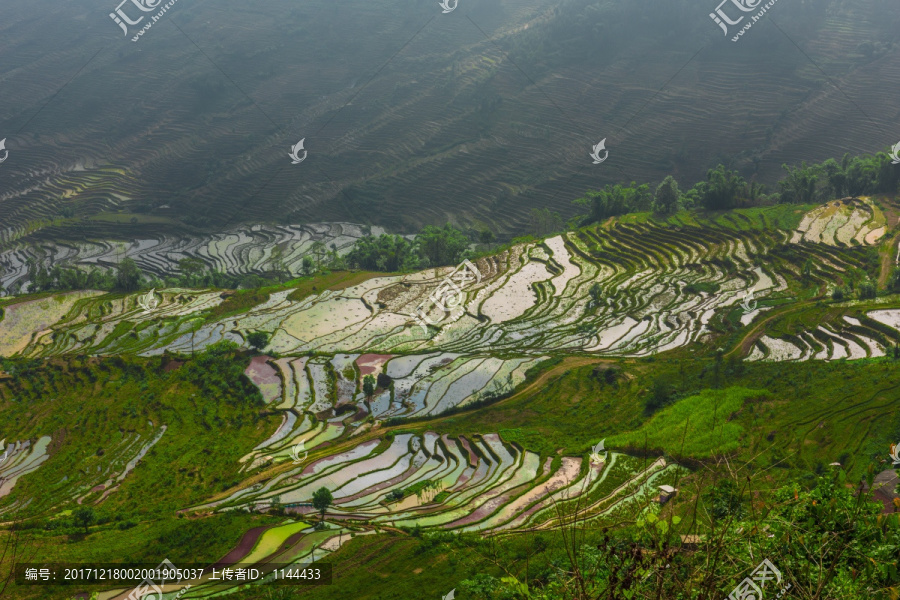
x,y
889,257
743,346
888,260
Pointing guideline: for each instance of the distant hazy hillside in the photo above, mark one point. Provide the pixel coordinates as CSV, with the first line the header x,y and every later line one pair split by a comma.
x,y
473,116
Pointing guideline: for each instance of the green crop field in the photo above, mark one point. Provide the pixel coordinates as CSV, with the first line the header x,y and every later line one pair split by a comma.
x,y
474,442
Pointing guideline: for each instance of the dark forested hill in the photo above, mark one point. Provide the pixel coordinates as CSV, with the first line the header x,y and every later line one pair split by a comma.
x,y
411,116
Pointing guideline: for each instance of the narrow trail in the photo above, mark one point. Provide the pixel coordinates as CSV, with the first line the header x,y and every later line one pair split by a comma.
x,y
743,346
888,260
889,255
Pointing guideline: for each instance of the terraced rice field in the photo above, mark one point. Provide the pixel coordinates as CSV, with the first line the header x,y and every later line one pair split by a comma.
x,y
482,483
662,287
851,338
242,250
94,484
18,459
843,223
475,483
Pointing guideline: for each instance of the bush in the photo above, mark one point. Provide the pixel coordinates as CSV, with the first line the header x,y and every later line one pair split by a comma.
x,y
708,287
867,290
258,340
661,394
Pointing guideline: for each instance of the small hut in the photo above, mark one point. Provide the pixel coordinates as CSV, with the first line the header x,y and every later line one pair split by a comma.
x,y
666,492
690,542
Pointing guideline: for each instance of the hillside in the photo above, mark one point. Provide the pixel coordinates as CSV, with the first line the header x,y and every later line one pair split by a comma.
x,y
411,116
679,342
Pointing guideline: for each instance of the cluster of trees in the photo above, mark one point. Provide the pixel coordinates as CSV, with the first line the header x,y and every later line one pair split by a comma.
x,y
432,247
866,290
724,189
215,371
128,277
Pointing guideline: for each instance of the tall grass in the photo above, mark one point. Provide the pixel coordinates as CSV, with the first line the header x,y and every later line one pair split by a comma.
x,y
706,417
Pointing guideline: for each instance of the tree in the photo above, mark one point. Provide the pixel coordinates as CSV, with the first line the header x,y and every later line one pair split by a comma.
x,y
258,339
721,189
753,190
308,265
894,281
318,250
442,246
277,262
615,200
867,290
544,222
660,395
837,178
192,268
321,500
587,330
84,517
667,195
861,174
610,375
128,275
724,500
369,385
800,184
807,268
389,253
596,294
